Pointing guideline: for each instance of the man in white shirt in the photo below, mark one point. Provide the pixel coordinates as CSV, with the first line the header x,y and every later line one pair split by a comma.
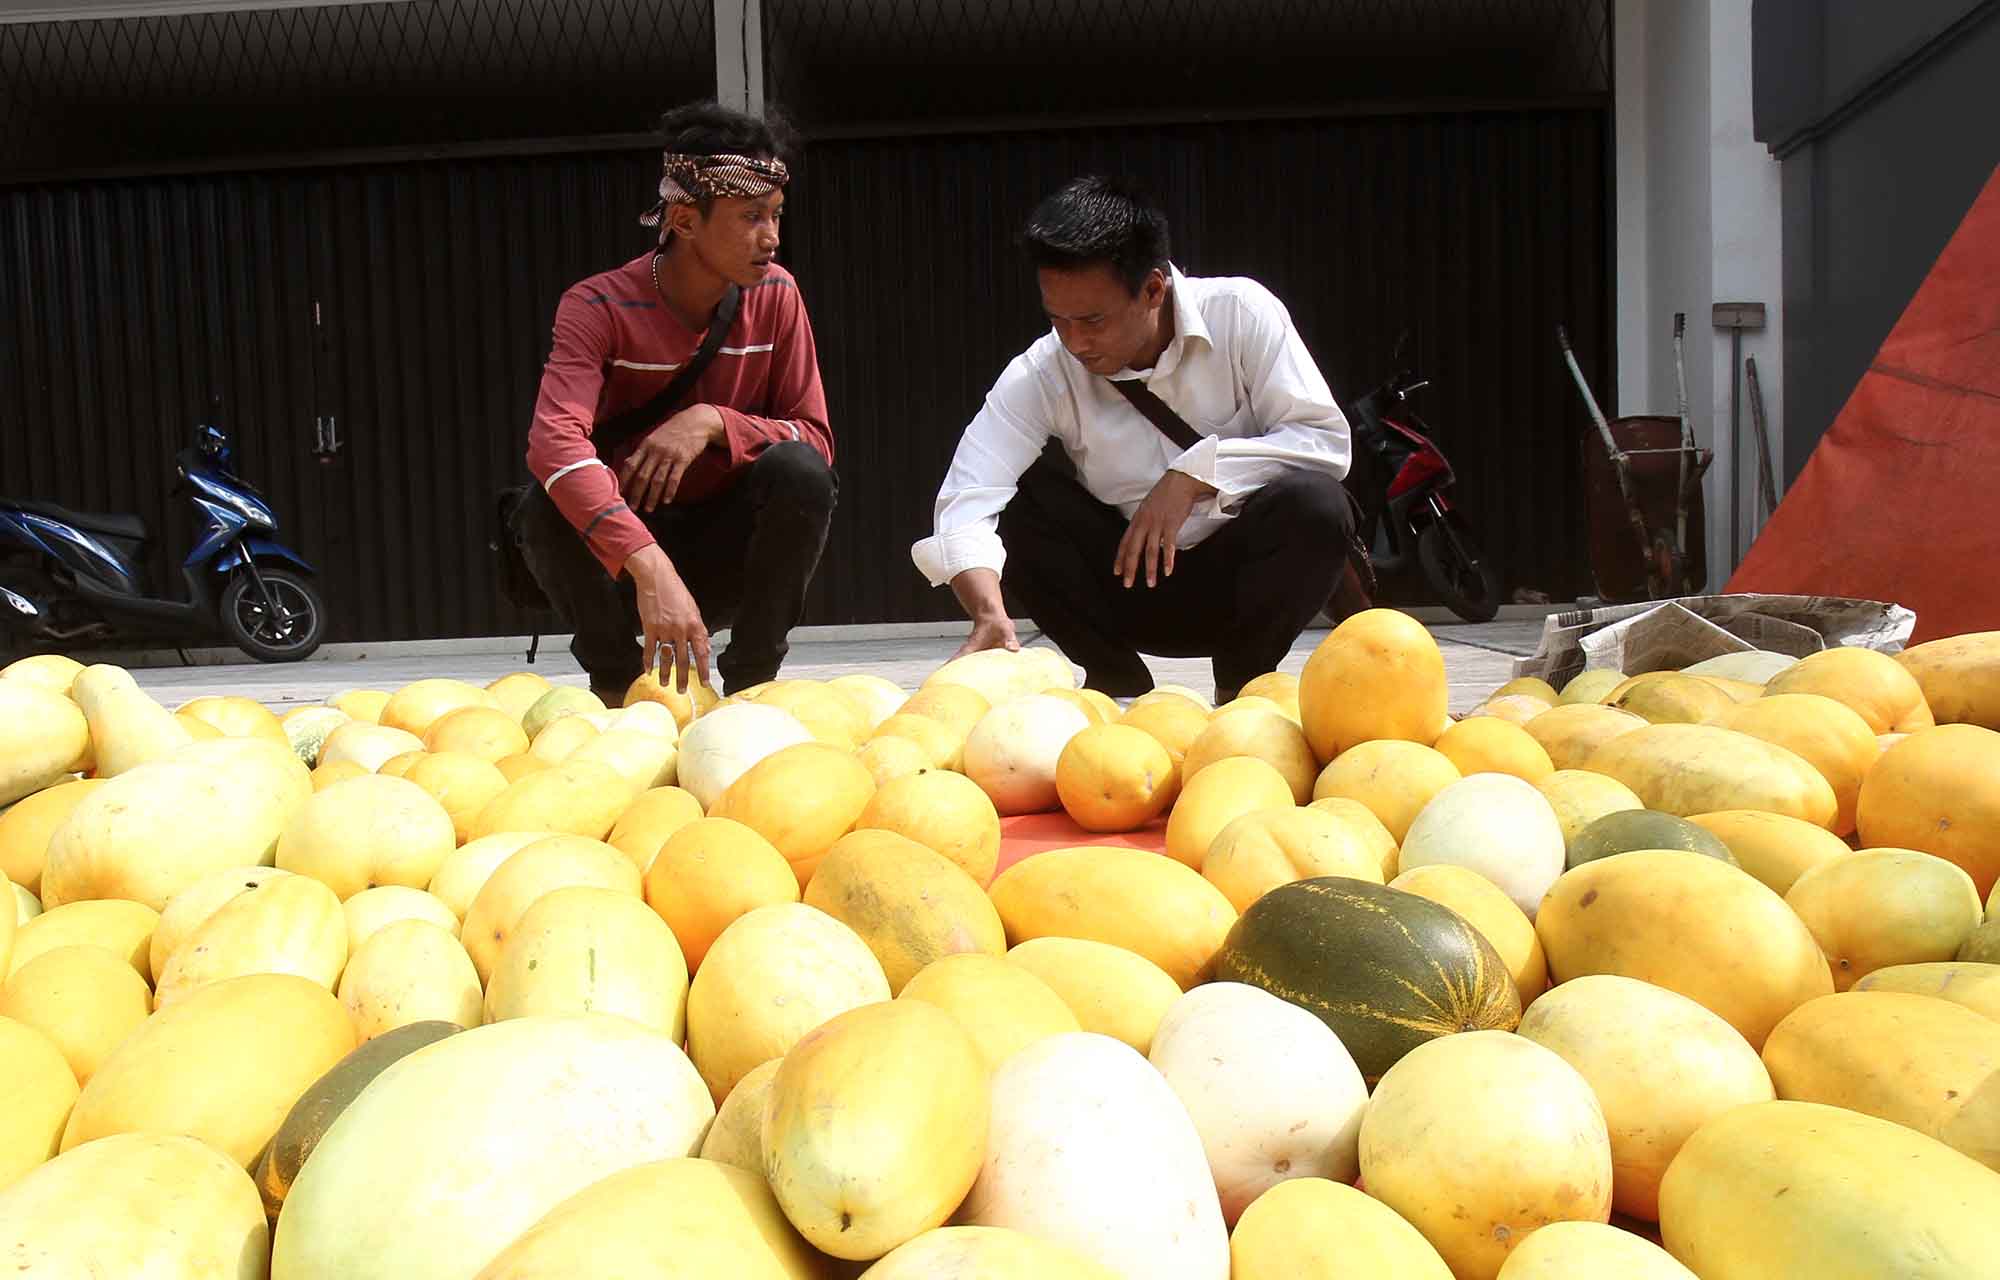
x,y
1116,540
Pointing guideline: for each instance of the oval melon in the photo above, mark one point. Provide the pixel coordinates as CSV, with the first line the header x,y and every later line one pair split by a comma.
x,y
1378,674
690,1217
1874,684
908,903
40,1088
1688,923
1938,791
1660,1066
650,820
1261,735
1362,822
1580,798
590,950
1774,848
1538,1152
773,975
1013,750
192,907
1111,991
85,999
27,824
1488,744
1394,779
581,798
466,869
875,1127
1959,676
1564,1249
1271,1090
1573,732
490,733
128,727
1296,1227
1269,847
1590,686
287,924
458,1148
1976,986
42,733
708,874
369,831
410,971
548,864
1668,697
1913,1059
737,1136
366,744
1386,970
697,701
943,811
373,910
1129,898
722,745
1004,1008
122,927
801,798
1826,734
1217,796
1497,825
1073,1116
136,1204
224,1065
1686,769
1796,1189
1113,777
1879,907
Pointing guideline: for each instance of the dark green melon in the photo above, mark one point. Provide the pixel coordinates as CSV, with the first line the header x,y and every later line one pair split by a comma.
x,y
1630,830
1387,970
321,1104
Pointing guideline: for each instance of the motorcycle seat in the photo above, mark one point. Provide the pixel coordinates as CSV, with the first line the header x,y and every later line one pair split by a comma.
x,y
128,527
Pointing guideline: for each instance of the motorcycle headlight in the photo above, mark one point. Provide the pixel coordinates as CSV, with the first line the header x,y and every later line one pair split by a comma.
x,y
19,604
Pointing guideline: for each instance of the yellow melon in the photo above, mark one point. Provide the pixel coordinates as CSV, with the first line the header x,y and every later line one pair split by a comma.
x,y
1112,991
1590,686
1874,684
1003,1007
1580,797
1154,906
943,746
943,811
1881,907
1377,675
1263,849
369,831
958,706
992,1253
466,869
224,1065
286,924
772,976
120,926
1826,734
1393,778
1361,820
1113,777
1684,769
548,864
367,744
1572,733
1489,744
463,785
650,820
516,691
590,950
579,799
40,1087
1773,847
687,705
1217,796
409,971
27,824
801,798
85,999
561,738
1490,911
875,1127
737,1136
1173,721
487,732
1959,676
910,904
1297,1227
236,717
1938,791
1564,1249
1668,697
1260,735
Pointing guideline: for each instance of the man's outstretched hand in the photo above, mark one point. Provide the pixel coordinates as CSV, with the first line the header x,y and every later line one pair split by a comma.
x,y
676,637
1149,539
978,592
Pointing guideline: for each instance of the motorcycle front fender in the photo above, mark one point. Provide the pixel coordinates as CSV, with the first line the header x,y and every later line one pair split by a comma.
x,y
263,551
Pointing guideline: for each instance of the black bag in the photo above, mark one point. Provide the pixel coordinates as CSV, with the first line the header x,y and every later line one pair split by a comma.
x,y
1357,587
518,585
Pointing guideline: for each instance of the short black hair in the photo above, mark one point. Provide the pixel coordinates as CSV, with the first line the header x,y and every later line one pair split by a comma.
x,y
710,129
1098,219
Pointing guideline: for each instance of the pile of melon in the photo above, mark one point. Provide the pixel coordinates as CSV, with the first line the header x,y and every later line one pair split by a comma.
x,y
1687,973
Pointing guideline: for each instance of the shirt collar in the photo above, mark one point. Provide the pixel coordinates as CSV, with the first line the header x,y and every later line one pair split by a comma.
x,y
1188,324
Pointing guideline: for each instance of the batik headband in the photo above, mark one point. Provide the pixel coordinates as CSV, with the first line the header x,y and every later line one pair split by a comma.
x,y
686,178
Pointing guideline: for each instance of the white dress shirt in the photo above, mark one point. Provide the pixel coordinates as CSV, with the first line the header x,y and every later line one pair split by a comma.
x,y
1236,371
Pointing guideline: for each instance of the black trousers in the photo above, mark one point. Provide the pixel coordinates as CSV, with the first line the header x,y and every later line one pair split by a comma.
x,y
747,556
1240,598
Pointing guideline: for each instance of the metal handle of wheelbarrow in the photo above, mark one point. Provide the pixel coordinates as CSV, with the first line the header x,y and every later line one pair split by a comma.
x,y
1687,437
1620,465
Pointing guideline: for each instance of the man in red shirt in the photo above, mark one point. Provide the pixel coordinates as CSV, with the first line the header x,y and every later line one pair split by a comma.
x,y
718,515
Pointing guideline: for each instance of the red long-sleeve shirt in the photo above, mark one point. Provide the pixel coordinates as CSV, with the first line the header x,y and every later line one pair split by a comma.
x,y
616,345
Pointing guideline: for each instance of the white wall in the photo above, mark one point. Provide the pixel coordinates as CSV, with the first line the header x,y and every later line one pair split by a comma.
x,y
1699,222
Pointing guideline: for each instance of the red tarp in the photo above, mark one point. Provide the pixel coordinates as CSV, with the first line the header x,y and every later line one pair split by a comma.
x,y
1900,501
1032,833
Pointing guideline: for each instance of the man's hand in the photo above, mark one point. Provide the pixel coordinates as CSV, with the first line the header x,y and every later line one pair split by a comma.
x,y
1149,539
978,592
675,633
653,472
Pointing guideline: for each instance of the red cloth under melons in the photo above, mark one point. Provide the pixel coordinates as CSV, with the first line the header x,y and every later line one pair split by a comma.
x,y
1032,833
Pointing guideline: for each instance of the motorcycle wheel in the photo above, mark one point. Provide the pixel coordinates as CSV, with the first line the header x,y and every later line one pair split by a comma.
x,y
262,635
1458,570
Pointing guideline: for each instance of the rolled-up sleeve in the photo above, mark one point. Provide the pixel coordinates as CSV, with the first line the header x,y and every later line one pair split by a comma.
x,y
1301,424
1002,441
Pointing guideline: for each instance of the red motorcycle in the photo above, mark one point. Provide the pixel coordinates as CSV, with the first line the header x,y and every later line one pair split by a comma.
x,y
1401,482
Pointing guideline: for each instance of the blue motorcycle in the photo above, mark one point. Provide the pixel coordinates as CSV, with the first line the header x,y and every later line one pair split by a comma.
x,y
76,577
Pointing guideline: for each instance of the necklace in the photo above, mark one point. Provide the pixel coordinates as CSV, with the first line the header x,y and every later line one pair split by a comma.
x,y
657,288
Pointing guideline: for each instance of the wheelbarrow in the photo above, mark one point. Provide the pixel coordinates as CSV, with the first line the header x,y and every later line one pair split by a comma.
x,y
1643,494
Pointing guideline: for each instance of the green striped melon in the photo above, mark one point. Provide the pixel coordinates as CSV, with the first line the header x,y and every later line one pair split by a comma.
x,y
1387,970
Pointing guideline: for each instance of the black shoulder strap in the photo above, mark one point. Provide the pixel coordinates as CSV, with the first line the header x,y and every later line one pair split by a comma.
x,y
1171,424
620,427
